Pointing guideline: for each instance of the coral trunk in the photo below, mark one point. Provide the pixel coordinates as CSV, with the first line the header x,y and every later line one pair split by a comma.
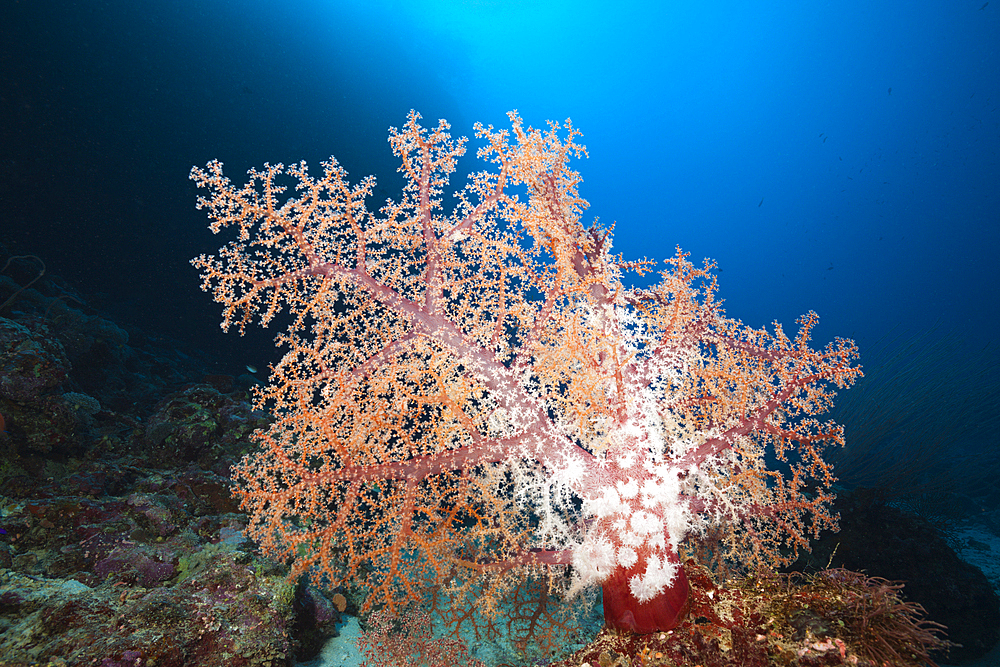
x,y
622,611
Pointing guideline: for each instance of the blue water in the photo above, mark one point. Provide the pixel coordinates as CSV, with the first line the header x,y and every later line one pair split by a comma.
x,y
841,157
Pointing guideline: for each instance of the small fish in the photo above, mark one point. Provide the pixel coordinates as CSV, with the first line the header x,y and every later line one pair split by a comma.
x,y
761,202
252,369
984,6
890,91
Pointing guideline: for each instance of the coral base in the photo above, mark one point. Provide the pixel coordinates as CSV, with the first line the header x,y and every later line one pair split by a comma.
x,y
622,611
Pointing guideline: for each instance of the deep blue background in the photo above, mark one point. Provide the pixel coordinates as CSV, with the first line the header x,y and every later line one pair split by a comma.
x,y
829,155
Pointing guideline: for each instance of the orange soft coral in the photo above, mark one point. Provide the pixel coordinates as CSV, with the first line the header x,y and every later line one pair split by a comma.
x,y
471,393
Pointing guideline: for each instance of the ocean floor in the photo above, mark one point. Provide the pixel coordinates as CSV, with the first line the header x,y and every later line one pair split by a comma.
x,y
974,543
341,650
981,547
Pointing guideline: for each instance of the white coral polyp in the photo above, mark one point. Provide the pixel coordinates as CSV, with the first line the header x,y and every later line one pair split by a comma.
x,y
627,557
645,523
629,489
571,473
594,560
658,576
608,504
626,457
655,493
